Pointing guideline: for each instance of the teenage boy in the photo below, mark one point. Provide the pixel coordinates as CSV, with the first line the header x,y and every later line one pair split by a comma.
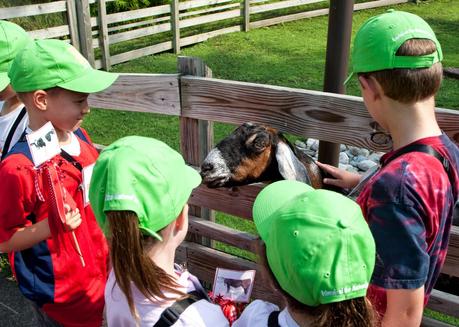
x,y
409,202
53,81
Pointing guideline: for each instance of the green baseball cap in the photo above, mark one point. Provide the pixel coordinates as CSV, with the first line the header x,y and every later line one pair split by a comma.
x,y
318,245
12,39
44,64
145,176
378,40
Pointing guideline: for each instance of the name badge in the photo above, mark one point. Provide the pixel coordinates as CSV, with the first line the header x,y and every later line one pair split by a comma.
x,y
87,173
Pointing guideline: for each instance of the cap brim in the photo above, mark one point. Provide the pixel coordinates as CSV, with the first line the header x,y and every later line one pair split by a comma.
x,y
4,81
92,81
272,198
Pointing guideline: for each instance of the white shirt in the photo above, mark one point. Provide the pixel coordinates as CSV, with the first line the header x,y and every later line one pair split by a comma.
x,y
201,313
7,121
256,314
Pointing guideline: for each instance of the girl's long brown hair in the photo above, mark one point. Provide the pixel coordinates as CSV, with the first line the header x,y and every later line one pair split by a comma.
x,y
357,312
131,263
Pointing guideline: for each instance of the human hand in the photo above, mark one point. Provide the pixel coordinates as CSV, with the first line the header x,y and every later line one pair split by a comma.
x,y
341,178
72,218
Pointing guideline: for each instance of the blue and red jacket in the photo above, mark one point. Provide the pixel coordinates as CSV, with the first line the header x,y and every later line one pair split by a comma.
x,y
53,278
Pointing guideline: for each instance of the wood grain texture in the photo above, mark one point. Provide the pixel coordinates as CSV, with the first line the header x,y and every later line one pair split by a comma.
x,y
186,5
281,5
175,26
236,201
139,13
73,26
103,35
84,30
185,41
210,18
325,116
50,32
32,10
430,322
141,92
137,53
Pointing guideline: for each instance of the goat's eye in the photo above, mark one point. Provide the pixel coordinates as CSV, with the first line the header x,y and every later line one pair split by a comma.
x,y
260,143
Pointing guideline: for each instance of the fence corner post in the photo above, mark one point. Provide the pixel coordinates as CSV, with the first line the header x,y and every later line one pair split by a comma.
x,y
103,35
196,136
175,26
85,30
73,24
246,15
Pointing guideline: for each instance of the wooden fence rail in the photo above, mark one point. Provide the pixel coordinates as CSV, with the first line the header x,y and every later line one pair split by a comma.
x,y
89,33
325,116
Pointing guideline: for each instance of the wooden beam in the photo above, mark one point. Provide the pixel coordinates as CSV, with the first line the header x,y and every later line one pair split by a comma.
x,y
103,35
32,10
444,302
175,26
84,30
73,24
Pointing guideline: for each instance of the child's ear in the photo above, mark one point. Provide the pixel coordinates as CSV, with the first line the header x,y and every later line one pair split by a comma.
x,y
40,99
182,219
370,86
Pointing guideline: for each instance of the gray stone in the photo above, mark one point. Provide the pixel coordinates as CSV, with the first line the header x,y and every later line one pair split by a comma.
x,y
343,158
366,164
375,156
342,147
359,158
300,144
363,152
353,150
314,145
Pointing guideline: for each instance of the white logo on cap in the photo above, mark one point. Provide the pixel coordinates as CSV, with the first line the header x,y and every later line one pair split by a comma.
x,y
112,197
78,57
344,290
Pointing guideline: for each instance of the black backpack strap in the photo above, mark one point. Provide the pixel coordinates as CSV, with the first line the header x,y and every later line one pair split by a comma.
x,y
172,313
431,151
10,135
273,319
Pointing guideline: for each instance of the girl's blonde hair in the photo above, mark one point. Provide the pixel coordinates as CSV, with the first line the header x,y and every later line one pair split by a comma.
x,y
131,263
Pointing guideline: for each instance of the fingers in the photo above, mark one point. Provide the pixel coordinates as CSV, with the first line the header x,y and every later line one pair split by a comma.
x,y
73,220
332,170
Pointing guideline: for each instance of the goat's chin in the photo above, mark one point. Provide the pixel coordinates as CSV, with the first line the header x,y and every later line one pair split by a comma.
x,y
215,182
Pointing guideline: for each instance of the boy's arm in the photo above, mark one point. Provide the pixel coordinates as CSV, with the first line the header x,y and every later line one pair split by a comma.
x,y
404,307
26,237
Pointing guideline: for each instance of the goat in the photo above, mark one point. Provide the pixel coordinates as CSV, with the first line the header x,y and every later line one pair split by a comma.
x,y
244,283
253,153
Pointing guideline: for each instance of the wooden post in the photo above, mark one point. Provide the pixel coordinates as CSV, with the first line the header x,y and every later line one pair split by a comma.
x,y
196,136
103,35
246,15
175,26
85,30
73,25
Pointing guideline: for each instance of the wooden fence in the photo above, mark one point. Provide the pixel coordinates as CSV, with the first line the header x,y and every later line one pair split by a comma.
x,y
300,112
168,21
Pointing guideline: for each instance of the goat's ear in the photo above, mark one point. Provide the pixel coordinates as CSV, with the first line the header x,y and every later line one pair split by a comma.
x,y
290,167
258,142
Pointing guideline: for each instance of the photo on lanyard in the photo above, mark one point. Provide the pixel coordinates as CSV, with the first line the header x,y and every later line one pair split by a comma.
x,y
235,285
43,144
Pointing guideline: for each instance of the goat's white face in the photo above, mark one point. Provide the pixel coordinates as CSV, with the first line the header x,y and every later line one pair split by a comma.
x,y
214,170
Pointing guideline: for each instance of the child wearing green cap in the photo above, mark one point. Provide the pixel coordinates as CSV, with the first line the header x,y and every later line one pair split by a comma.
x,y
53,81
409,202
321,254
139,191
13,116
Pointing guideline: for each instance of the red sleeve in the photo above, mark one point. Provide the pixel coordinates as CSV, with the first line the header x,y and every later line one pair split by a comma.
x,y
17,193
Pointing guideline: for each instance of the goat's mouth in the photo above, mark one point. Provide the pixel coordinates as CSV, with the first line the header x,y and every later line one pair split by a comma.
x,y
215,181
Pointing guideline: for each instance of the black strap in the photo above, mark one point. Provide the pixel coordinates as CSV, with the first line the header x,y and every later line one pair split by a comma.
x,y
15,125
172,313
431,151
69,158
273,319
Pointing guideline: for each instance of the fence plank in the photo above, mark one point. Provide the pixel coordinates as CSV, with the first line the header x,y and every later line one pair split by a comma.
x,y
50,32
186,5
235,201
379,3
281,5
430,322
175,27
32,10
138,24
246,16
289,18
202,261
73,24
218,232
210,18
103,35
84,30
196,136
300,112
451,266
140,32
141,92
209,10
444,302
126,56
138,13
204,36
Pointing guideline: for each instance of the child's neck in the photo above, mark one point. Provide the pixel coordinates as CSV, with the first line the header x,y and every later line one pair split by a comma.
x,y
10,105
163,255
409,123
64,137
301,318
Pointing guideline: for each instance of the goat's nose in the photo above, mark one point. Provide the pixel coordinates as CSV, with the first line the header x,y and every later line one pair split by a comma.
x,y
207,166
